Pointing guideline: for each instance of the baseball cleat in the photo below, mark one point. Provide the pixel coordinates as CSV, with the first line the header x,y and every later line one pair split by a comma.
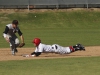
x,y
81,47
16,50
13,53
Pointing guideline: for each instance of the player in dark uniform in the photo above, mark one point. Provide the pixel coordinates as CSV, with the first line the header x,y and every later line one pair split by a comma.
x,y
11,38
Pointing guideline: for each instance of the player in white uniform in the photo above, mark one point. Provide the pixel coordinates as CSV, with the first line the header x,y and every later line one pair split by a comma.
x,y
55,48
10,37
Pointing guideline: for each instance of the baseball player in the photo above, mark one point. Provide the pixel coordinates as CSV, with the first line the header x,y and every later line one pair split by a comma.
x,y
11,38
55,48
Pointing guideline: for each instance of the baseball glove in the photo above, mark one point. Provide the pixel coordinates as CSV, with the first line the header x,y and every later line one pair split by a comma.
x,y
21,45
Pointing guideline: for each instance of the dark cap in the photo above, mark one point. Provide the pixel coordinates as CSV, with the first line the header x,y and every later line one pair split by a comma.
x,y
15,22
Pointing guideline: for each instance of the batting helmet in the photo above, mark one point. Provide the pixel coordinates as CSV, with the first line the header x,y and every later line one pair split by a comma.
x,y
37,41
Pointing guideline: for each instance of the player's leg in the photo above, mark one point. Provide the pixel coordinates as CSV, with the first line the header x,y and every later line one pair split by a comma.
x,y
72,49
16,44
55,48
12,45
77,47
60,50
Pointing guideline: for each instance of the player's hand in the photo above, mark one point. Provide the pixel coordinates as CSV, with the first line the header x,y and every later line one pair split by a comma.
x,y
8,40
28,55
21,45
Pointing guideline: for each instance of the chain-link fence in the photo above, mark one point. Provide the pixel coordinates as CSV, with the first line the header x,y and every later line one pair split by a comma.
x,y
52,4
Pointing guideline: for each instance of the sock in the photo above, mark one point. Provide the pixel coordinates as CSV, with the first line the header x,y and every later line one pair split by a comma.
x,y
71,48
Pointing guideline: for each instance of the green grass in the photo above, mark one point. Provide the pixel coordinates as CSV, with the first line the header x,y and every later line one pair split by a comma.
x,y
63,66
64,28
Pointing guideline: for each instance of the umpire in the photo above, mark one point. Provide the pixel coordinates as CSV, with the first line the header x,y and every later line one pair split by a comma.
x,y
11,38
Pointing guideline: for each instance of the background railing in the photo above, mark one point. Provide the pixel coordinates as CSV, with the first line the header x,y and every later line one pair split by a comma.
x,y
51,4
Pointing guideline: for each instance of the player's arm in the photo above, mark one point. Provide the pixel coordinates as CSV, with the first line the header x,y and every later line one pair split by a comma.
x,y
21,36
37,51
5,34
36,54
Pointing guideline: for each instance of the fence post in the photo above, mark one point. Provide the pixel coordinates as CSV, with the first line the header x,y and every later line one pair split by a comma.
x,y
87,4
28,5
57,7
28,8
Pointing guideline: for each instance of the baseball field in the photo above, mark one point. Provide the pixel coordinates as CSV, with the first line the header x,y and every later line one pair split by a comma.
x,y
53,26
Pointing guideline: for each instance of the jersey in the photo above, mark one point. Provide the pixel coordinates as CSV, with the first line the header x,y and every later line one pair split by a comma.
x,y
55,48
10,31
44,48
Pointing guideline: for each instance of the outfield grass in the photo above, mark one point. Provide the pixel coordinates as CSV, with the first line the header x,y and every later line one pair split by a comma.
x,y
63,28
63,66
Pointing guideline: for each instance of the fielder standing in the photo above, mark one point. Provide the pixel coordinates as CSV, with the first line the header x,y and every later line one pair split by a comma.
x,y
11,38
55,48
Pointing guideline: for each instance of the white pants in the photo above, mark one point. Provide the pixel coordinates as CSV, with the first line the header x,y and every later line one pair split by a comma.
x,y
61,50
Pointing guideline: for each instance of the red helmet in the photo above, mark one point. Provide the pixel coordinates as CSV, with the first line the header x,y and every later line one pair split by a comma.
x,y
37,41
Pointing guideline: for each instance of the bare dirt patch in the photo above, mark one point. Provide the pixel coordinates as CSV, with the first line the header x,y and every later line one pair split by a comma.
x,y
5,54
10,11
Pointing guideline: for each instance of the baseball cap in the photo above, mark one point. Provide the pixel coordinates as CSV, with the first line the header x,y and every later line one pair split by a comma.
x,y
15,22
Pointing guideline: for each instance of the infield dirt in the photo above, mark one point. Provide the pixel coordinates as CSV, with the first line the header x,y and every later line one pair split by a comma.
x,y
5,54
